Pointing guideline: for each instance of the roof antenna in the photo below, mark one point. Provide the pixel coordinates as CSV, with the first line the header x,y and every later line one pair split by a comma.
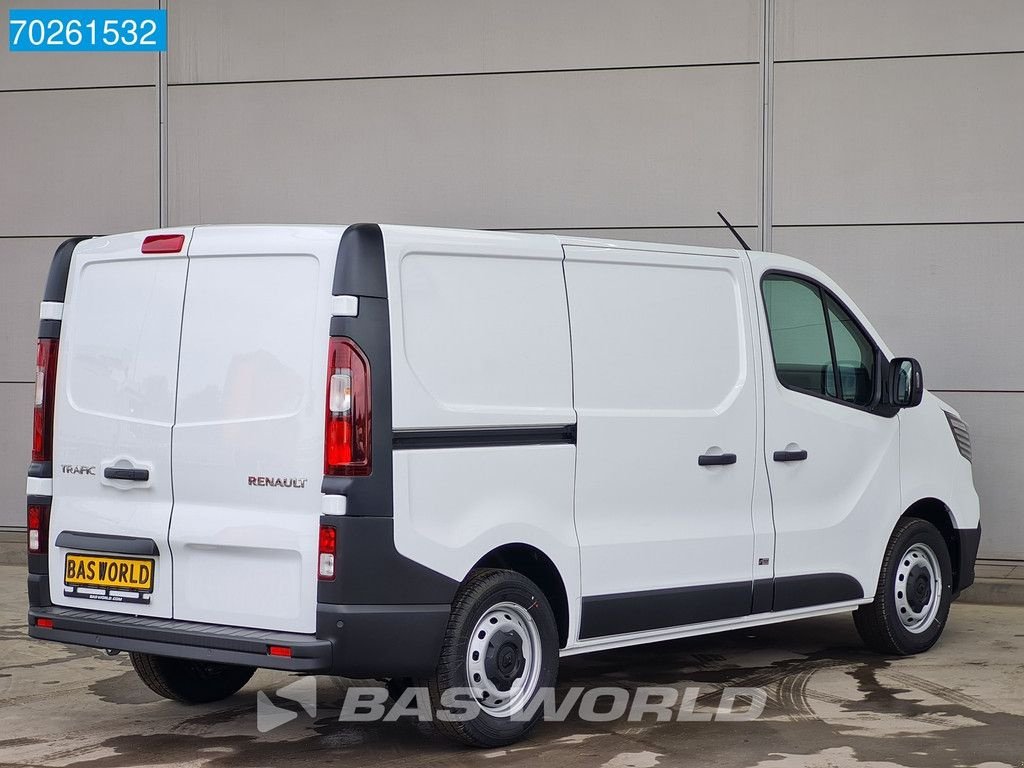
x,y
733,230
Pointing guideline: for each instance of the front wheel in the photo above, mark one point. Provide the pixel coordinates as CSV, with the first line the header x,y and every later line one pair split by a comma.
x,y
187,681
501,648
914,592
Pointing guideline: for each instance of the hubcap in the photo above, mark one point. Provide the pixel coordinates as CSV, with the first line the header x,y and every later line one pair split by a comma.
x,y
918,588
503,659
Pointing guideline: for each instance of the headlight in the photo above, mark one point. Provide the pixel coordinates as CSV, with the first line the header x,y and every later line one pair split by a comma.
x,y
960,433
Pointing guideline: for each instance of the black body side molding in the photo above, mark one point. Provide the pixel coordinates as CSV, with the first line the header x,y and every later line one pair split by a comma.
x,y
421,439
618,614
762,596
627,612
814,589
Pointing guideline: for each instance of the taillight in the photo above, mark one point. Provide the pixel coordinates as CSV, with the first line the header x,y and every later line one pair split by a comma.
x,y
347,432
327,551
38,528
42,418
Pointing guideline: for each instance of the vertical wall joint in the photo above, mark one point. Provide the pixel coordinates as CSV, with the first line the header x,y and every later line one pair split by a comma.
x,y
161,89
767,99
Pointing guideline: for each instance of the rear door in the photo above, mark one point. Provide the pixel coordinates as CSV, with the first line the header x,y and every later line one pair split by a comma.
x,y
114,410
248,438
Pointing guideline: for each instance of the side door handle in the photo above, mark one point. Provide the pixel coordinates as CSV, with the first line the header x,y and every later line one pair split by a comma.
x,y
126,473
716,459
790,455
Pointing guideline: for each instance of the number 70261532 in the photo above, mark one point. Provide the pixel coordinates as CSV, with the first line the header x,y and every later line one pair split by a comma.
x,y
143,30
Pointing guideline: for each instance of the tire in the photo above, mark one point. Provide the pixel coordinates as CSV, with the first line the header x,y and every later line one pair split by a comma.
x,y
906,621
505,613
190,682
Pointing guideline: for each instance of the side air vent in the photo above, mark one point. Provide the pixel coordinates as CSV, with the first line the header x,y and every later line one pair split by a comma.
x,y
961,434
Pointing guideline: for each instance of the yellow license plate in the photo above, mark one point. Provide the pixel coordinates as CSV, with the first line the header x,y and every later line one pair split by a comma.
x,y
127,573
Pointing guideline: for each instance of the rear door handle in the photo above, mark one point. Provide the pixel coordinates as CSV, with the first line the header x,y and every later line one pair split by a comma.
x,y
126,473
790,455
716,459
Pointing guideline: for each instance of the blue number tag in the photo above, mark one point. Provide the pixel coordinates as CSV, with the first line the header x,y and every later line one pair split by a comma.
x,y
95,29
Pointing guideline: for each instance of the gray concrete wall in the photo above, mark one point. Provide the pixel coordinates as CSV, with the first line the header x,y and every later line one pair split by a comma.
x,y
897,167
80,137
893,158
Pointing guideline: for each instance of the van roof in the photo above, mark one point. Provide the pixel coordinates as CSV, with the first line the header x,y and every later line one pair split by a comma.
x,y
767,258
642,245
760,261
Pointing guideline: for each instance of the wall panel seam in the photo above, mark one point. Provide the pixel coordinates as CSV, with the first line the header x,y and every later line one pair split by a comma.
x,y
980,223
425,75
895,56
978,391
624,227
79,88
35,237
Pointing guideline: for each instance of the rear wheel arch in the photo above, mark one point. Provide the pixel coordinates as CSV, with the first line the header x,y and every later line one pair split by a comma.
x,y
541,570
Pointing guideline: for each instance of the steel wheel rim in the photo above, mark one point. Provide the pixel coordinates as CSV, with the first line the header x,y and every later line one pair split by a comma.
x,y
493,631
918,588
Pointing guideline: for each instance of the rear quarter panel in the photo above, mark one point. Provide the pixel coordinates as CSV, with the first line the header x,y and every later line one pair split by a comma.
x,y
479,329
480,339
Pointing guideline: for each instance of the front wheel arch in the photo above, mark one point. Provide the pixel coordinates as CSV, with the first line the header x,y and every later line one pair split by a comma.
x,y
937,513
885,624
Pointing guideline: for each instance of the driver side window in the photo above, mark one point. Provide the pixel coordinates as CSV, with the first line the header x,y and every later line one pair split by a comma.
x,y
818,348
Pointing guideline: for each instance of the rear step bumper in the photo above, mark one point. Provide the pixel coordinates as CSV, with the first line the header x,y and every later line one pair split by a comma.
x,y
181,639
351,640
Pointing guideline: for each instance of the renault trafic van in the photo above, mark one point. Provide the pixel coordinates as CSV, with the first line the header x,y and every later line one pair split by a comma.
x,y
453,456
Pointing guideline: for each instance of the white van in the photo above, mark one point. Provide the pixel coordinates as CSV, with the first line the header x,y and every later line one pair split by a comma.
x,y
453,456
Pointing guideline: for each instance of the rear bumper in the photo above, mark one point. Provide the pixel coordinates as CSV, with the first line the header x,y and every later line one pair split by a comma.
x,y
351,640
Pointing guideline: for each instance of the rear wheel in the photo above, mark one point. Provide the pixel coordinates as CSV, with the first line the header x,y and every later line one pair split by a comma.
x,y
914,592
501,648
190,682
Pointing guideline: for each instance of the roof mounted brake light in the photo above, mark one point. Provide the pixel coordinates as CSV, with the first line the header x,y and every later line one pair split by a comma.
x,y
163,243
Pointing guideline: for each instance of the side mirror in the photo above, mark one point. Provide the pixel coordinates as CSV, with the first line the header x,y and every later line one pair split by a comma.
x,y
906,382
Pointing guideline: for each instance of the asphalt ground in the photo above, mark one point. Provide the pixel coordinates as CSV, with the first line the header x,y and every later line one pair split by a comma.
x,y
828,703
